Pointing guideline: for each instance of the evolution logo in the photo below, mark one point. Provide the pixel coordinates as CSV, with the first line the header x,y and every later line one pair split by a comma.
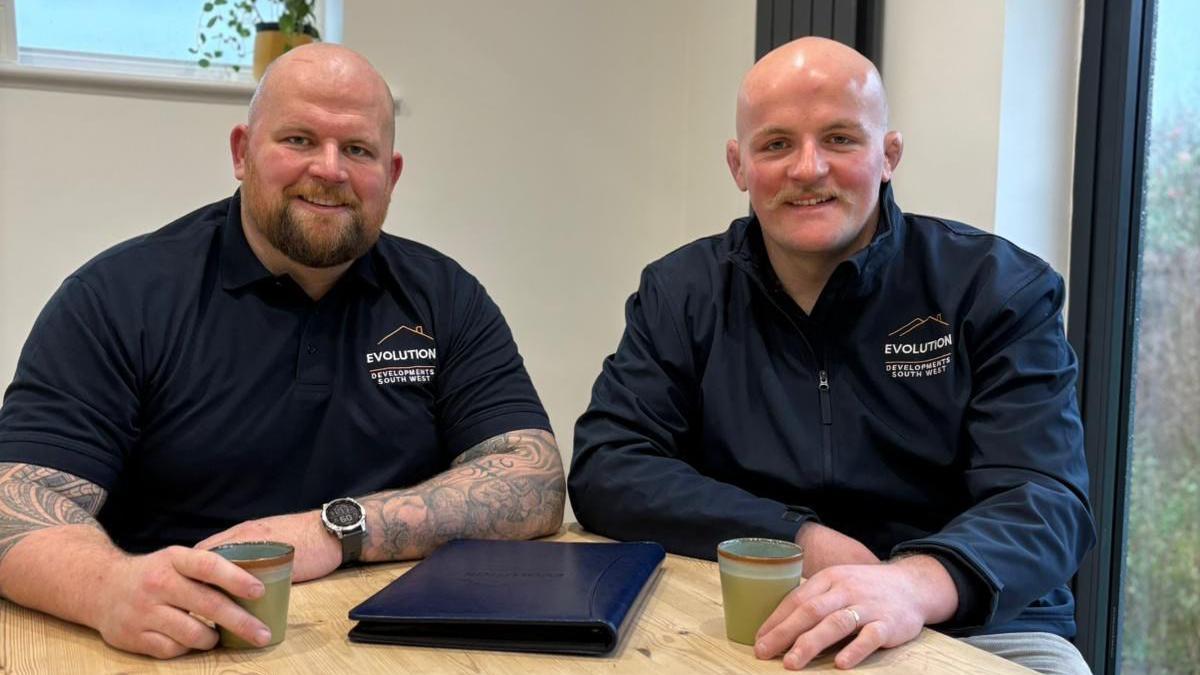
x,y
920,348
410,358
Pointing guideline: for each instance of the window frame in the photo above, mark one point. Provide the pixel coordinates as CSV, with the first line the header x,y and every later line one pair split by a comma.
x,y
59,70
1106,230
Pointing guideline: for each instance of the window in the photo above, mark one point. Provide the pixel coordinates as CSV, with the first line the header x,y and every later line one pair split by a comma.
x,y
1160,600
1134,313
129,37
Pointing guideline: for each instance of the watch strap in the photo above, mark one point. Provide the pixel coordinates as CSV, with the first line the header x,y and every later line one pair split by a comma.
x,y
352,547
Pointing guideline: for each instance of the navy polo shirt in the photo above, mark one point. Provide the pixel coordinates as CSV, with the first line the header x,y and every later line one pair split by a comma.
x,y
177,373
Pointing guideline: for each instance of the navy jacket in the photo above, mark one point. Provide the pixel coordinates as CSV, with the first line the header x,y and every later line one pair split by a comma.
x,y
927,404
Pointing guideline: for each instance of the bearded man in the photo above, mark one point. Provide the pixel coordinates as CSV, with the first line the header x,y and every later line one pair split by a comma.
x,y
270,366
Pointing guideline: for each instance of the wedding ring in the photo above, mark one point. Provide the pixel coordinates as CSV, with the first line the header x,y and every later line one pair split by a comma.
x,y
854,615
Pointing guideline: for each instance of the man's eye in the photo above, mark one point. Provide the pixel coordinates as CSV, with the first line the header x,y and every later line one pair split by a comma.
x,y
776,145
839,139
357,151
296,140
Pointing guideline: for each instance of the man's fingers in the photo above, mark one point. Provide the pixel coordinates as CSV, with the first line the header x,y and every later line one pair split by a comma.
x,y
153,643
870,638
802,617
183,629
218,608
835,626
212,569
804,591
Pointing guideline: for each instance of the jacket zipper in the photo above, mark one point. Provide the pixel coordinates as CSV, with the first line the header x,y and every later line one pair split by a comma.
x,y
826,424
822,380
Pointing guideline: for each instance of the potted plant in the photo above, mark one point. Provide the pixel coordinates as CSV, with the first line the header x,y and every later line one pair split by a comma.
x,y
279,25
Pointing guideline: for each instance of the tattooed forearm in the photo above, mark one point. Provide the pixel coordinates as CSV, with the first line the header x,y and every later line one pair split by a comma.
x,y
507,487
36,497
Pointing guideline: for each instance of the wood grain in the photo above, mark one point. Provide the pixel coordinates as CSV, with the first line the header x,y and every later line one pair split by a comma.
x,y
679,629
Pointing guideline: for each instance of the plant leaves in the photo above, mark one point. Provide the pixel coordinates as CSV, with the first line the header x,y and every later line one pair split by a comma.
x,y
208,7
204,63
212,22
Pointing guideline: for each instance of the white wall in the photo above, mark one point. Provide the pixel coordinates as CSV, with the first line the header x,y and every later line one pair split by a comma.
x,y
985,95
553,148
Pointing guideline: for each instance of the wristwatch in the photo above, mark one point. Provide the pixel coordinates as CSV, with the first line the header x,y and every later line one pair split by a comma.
x,y
346,520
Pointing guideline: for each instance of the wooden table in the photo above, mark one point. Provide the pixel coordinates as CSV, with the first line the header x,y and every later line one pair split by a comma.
x,y
679,629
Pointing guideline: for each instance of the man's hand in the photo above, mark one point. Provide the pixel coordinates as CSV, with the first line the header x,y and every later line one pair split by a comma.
x,y
317,551
142,603
825,547
886,604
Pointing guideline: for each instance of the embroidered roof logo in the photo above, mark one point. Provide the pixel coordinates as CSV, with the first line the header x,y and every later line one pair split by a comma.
x,y
415,330
923,347
406,361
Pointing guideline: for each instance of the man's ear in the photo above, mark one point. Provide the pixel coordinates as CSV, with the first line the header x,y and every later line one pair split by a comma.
x,y
397,165
239,139
893,149
733,158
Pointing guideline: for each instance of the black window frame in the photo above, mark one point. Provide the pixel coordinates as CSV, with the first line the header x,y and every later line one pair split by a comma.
x,y
1106,227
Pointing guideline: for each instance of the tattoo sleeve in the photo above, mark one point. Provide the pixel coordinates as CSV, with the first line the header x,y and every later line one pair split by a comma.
x,y
510,486
35,497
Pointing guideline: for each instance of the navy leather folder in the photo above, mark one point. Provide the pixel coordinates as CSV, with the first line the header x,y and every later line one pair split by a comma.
x,y
537,596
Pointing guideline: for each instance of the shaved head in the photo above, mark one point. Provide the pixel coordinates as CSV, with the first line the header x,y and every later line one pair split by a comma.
x,y
316,160
333,68
813,149
825,63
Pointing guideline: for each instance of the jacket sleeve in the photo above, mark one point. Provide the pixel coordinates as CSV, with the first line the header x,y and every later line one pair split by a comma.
x,y
1029,523
630,477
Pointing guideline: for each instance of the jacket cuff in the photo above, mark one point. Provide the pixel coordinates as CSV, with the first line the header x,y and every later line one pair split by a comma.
x,y
974,596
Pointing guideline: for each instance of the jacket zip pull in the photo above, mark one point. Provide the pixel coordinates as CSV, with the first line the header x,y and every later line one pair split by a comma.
x,y
823,387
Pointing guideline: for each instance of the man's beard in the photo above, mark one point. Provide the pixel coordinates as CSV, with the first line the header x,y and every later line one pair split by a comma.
x,y
288,237
286,231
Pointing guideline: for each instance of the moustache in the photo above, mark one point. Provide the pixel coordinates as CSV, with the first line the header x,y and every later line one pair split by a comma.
x,y
793,195
323,194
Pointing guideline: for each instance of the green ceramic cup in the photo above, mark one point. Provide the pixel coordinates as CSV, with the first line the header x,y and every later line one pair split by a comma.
x,y
271,563
755,576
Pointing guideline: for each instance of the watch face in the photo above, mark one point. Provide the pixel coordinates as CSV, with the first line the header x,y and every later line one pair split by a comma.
x,y
343,513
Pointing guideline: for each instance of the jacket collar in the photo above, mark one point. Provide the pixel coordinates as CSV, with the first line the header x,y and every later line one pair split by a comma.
x,y
855,277
241,268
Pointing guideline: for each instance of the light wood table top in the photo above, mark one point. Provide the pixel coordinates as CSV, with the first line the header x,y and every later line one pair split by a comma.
x,y
679,629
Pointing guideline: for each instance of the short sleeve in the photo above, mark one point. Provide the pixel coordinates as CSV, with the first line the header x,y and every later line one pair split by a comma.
x,y
73,402
484,388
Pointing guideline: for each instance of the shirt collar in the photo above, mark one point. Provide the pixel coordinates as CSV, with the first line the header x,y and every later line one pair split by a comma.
x,y
858,275
241,268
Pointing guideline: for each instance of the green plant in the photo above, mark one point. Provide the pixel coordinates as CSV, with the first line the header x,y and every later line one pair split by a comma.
x,y
226,25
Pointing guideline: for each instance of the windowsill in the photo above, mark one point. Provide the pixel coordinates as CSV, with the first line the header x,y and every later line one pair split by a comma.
x,y
137,85
51,78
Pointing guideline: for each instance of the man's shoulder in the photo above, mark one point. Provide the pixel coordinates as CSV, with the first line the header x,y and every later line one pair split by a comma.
x,y
698,261
183,242
960,247
406,259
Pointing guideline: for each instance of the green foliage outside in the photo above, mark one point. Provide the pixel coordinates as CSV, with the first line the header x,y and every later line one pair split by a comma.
x,y
226,25
1161,602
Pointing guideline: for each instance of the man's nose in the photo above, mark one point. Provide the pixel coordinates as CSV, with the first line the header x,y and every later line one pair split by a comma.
x,y
808,164
327,164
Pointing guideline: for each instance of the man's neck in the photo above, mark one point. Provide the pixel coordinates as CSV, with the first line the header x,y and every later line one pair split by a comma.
x,y
804,275
315,282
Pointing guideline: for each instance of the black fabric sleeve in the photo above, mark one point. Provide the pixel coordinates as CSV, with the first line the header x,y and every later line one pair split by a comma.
x,y
1029,524
630,477
73,403
484,389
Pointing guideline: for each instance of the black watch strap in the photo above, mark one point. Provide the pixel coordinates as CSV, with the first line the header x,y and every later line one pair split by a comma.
x,y
352,547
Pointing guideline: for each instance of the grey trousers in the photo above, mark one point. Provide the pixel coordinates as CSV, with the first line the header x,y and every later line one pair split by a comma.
x,y
1042,652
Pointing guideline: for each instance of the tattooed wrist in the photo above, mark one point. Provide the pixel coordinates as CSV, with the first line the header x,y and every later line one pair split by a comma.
x,y
510,486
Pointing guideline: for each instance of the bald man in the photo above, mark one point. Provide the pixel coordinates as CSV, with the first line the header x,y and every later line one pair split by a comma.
x,y
893,392
268,367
